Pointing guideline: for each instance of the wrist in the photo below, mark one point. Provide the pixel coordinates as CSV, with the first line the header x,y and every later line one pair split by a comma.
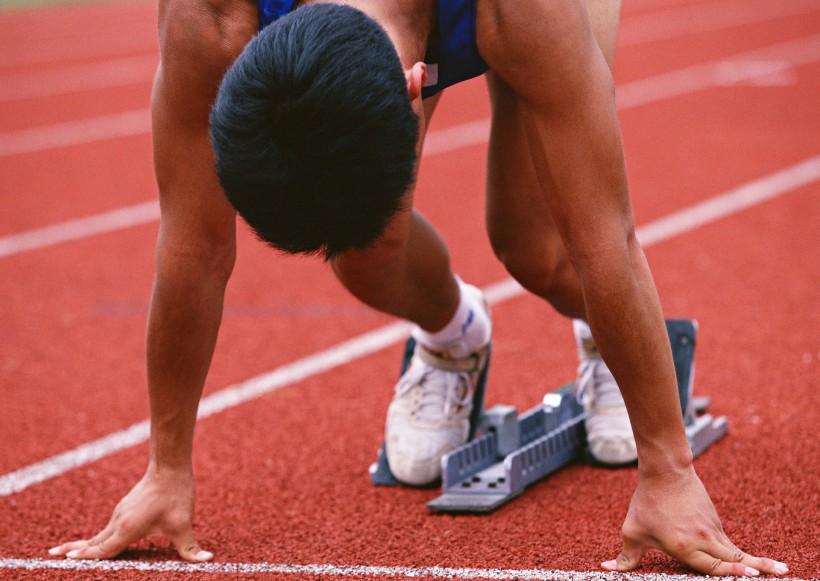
x,y
170,457
172,439
664,460
169,471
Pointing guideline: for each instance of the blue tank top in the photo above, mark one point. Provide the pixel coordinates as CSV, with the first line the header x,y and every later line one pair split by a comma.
x,y
453,57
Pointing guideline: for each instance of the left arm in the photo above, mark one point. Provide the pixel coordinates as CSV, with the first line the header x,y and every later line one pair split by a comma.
x,y
546,52
574,138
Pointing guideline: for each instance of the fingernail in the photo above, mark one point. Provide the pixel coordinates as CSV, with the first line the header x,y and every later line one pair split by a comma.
x,y
611,565
203,556
72,554
54,551
749,572
780,568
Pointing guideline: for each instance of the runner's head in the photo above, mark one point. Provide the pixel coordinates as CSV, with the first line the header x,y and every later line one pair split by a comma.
x,y
314,133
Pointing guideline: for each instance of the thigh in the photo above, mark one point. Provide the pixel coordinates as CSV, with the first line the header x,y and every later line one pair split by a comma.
x,y
519,222
518,215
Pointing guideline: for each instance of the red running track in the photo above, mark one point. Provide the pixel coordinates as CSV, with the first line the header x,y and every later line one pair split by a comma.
x,y
714,95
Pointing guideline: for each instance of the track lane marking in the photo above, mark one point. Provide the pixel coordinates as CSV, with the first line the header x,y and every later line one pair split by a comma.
x,y
328,570
726,72
675,224
116,41
79,132
699,18
130,216
75,78
630,95
732,202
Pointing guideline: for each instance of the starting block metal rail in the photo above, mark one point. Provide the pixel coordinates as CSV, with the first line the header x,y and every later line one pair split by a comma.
x,y
514,451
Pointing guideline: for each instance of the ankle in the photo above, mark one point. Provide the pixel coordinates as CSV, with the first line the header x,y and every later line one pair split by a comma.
x,y
468,330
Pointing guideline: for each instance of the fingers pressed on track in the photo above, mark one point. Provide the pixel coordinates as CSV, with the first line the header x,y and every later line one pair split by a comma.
x,y
188,548
111,546
632,553
726,551
97,547
711,565
61,550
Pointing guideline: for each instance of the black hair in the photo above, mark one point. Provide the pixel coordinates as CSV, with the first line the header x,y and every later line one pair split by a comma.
x,y
313,131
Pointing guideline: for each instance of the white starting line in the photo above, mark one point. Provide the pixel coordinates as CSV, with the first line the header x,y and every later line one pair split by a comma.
x,y
345,570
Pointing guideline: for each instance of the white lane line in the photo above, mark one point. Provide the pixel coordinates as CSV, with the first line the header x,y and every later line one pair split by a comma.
x,y
723,72
638,6
688,219
119,219
630,95
110,40
751,66
86,77
69,133
693,19
731,202
225,399
458,136
328,570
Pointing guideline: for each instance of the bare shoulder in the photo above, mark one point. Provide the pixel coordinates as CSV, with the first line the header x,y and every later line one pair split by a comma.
x,y
539,46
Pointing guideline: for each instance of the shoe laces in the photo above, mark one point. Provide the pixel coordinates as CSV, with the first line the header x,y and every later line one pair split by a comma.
x,y
596,385
440,393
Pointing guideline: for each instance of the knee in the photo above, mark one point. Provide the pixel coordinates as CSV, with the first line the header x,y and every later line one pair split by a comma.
x,y
378,257
539,265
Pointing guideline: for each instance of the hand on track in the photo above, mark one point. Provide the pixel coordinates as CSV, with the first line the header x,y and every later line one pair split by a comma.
x,y
157,505
673,513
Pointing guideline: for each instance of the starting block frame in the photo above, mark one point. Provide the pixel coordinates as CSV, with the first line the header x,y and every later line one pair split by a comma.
x,y
514,451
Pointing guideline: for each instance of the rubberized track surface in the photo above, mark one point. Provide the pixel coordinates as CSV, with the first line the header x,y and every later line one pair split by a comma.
x,y
718,102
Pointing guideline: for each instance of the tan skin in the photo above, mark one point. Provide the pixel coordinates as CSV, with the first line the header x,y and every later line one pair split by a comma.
x,y
558,215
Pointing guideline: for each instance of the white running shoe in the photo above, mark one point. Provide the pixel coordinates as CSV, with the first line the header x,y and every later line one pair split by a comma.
x,y
430,412
609,433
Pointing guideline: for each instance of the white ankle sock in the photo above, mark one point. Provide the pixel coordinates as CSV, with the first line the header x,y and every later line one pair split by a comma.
x,y
584,341
468,330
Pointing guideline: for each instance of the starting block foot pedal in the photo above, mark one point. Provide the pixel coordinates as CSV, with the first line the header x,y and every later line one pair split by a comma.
x,y
380,472
516,451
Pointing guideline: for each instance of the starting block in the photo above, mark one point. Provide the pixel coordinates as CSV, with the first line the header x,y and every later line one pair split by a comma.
x,y
514,451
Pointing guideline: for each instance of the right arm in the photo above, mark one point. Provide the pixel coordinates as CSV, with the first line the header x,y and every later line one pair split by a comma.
x,y
195,256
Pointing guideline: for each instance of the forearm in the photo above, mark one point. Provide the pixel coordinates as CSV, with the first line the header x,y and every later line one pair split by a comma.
x,y
579,151
626,319
184,319
619,294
